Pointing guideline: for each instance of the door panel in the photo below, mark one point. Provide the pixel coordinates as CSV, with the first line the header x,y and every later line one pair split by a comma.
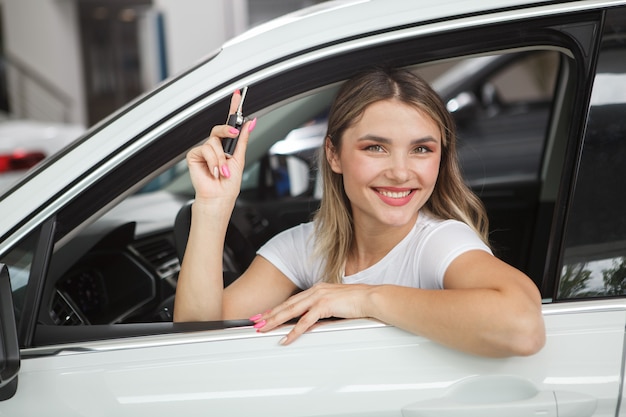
x,y
342,368
502,395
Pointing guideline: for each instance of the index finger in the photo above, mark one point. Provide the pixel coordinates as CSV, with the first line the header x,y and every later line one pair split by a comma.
x,y
306,322
234,101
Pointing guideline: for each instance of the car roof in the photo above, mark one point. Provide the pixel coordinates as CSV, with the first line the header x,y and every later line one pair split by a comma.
x,y
331,18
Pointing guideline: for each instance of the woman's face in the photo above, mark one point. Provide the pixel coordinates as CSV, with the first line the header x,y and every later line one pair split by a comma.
x,y
389,160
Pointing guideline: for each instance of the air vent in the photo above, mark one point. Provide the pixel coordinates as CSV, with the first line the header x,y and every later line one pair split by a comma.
x,y
155,251
160,253
62,313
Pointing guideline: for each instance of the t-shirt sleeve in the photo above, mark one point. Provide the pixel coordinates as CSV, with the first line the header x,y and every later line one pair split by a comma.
x,y
289,251
442,245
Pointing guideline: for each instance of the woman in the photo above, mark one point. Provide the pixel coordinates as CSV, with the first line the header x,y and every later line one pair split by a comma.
x,y
398,237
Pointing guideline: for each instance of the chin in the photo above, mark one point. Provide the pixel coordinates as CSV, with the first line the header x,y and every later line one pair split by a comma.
x,y
399,220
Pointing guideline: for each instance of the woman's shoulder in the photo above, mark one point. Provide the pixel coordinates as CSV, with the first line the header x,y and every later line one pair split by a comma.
x,y
295,238
451,232
301,231
429,222
302,228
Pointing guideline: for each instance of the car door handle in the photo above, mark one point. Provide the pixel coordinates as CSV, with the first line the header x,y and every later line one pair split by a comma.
x,y
496,396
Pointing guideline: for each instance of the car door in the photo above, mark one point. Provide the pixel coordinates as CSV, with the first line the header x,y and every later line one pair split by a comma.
x,y
124,365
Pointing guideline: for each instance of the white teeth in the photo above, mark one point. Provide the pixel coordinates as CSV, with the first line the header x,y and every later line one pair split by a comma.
x,y
393,194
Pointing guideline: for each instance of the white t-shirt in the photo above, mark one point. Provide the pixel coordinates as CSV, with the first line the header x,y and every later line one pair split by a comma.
x,y
419,260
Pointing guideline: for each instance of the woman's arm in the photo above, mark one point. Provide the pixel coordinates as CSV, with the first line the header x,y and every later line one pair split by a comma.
x,y
217,182
259,289
200,293
487,308
200,280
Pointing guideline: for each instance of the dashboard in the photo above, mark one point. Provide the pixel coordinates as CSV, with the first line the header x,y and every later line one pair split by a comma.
x,y
121,269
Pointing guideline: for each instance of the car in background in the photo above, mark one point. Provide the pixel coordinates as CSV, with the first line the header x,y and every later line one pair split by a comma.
x,y
24,143
91,246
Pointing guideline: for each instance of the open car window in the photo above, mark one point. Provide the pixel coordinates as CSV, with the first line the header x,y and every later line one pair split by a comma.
x,y
116,254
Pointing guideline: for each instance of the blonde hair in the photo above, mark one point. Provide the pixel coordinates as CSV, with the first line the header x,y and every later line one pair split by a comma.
x,y
451,198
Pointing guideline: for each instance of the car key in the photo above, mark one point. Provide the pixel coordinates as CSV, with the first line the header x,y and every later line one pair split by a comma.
x,y
235,120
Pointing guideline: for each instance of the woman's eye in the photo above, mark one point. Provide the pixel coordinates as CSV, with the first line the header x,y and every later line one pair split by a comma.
x,y
374,148
422,149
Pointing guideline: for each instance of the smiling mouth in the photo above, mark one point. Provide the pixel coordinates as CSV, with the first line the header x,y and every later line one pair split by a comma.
x,y
394,194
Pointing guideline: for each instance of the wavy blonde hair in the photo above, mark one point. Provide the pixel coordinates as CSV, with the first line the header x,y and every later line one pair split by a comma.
x,y
451,198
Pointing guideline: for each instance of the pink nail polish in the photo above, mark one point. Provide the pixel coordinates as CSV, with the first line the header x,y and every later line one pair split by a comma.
x,y
252,125
225,171
255,317
233,131
259,324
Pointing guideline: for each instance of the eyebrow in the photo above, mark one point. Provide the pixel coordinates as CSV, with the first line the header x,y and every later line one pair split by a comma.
x,y
386,141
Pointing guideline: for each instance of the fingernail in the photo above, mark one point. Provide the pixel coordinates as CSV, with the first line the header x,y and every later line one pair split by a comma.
x,y
282,341
225,171
255,317
216,173
233,131
252,125
237,91
259,324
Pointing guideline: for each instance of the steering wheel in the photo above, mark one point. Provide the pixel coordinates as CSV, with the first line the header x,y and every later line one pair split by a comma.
x,y
238,254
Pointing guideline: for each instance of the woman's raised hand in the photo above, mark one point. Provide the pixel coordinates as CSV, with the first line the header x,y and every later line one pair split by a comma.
x,y
213,174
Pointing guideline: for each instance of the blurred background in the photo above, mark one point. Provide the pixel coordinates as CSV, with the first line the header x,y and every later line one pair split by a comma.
x,y
76,61
65,65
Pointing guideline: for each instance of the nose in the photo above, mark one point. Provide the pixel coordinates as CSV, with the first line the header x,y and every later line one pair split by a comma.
x,y
398,169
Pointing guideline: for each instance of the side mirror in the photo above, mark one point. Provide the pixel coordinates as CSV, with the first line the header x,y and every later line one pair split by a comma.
x,y
9,345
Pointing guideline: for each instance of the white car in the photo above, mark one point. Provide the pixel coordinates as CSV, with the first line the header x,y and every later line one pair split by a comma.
x,y
90,243
24,143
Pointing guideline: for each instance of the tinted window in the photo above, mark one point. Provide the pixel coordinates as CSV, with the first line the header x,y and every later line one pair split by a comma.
x,y
595,241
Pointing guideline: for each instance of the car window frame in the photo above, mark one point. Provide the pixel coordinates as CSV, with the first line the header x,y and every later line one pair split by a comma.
x,y
544,31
